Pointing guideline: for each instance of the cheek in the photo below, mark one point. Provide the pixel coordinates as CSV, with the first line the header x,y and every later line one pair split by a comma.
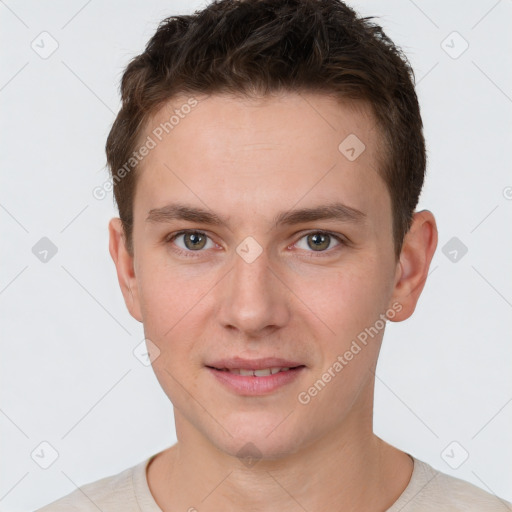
x,y
174,304
350,303
348,299
168,293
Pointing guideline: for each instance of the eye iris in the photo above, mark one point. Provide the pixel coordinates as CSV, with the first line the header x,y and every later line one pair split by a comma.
x,y
320,241
197,241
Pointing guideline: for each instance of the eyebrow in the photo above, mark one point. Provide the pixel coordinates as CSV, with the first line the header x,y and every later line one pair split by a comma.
x,y
332,211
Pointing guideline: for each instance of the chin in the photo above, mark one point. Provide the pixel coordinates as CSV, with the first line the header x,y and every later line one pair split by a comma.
x,y
271,439
250,450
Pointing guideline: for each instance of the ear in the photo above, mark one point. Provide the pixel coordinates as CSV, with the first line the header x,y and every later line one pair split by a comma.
x,y
124,263
412,269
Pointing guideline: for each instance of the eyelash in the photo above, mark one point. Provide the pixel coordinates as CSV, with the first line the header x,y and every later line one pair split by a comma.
x,y
190,254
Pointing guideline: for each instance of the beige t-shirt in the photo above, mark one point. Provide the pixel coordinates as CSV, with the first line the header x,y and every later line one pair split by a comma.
x,y
428,491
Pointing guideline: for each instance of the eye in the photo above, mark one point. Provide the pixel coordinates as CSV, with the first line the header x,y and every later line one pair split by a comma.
x,y
187,242
191,241
319,241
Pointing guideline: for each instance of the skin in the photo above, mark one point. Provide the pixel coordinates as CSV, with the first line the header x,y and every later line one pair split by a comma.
x,y
246,160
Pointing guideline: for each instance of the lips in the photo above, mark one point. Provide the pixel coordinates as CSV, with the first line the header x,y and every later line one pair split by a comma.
x,y
250,377
263,363
264,372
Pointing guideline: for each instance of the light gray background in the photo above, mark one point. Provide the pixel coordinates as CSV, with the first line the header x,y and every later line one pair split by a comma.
x,y
68,371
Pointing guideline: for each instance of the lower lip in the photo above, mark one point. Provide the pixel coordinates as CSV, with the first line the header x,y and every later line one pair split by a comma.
x,y
253,386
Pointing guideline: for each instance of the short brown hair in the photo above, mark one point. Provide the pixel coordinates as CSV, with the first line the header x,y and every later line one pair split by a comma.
x,y
246,47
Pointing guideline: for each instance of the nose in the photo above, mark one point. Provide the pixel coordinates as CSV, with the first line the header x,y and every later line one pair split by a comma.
x,y
254,300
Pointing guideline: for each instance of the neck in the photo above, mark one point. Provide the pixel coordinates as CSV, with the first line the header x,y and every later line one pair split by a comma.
x,y
349,469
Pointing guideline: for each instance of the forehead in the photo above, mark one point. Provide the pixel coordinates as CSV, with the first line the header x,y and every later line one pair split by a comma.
x,y
262,153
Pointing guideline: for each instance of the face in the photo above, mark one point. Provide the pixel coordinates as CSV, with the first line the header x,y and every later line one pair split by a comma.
x,y
260,242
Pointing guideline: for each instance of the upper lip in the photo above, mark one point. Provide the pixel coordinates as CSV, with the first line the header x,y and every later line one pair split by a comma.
x,y
253,364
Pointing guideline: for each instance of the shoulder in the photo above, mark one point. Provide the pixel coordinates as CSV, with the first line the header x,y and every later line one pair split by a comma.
x,y
431,490
110,494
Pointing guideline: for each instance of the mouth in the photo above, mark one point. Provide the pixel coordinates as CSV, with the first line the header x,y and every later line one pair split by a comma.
x,y
256,377
262,372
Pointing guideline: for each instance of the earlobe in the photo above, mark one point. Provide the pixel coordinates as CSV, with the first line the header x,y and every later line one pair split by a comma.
x,y
412,270
125,268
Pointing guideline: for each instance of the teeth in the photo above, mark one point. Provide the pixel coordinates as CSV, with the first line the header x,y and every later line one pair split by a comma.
x,y
264,372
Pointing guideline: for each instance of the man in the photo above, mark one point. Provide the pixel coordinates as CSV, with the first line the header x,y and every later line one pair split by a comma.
x,y
267,162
